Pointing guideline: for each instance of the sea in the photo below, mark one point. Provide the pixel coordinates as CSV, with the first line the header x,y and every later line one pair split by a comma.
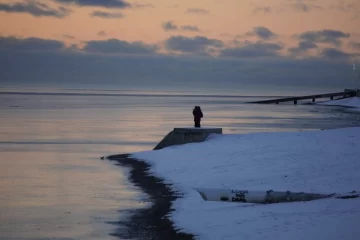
x,y
53,184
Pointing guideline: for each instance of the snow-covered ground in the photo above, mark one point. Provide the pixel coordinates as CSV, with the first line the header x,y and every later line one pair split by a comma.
x,y
315,161
353,102
325,161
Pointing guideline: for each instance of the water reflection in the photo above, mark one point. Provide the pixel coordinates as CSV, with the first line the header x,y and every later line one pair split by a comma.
x,y
61,195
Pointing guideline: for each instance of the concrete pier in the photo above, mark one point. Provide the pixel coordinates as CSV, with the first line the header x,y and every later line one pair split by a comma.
x,y
186,135
346,93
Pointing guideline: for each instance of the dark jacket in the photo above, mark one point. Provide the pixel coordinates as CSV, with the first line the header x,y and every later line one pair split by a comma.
x,y
197,114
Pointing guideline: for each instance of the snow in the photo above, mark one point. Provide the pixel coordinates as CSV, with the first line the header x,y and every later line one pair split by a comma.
x,y
325,161
353,102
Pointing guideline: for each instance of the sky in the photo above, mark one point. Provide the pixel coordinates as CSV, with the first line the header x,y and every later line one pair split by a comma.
x,y
172,42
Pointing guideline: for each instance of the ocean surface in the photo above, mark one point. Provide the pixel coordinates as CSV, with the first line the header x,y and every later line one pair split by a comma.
x,y
53,184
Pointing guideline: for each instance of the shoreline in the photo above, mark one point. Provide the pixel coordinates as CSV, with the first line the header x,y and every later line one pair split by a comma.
x,y
150,222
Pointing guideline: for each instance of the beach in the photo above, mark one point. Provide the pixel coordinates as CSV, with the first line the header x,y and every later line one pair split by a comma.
x,y
152,222
315,161
54,186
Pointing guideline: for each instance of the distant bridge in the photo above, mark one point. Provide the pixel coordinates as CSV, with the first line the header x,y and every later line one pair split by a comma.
x,y
346,93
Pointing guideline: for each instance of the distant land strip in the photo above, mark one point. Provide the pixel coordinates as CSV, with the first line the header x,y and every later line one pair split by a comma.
x,y
135,95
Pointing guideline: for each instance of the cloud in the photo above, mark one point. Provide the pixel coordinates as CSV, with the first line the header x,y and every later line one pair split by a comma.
x,y
289,5
262,9
200,11
98,3
67,36
355,45
30,44
171,26
35,8
344,7
324,36
115,46
108,15
300,6
253,50
109,46
332,53
198,44
102,34
351,8
226,35
172,6
262,32
163,72
303,47
190,28
145,5
51,64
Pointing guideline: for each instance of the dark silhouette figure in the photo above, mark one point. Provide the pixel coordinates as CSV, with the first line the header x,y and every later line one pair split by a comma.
x,y
197,116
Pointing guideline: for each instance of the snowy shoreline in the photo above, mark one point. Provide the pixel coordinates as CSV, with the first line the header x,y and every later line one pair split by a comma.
x,y
353,103
150,222
317,161
322,161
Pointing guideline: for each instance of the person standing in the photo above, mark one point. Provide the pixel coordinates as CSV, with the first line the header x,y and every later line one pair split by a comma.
x,y
197,116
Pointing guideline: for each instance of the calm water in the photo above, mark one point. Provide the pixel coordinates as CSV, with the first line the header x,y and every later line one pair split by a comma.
x,y
52,183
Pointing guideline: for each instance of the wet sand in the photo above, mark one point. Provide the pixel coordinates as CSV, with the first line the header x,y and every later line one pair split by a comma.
x,y
149,223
